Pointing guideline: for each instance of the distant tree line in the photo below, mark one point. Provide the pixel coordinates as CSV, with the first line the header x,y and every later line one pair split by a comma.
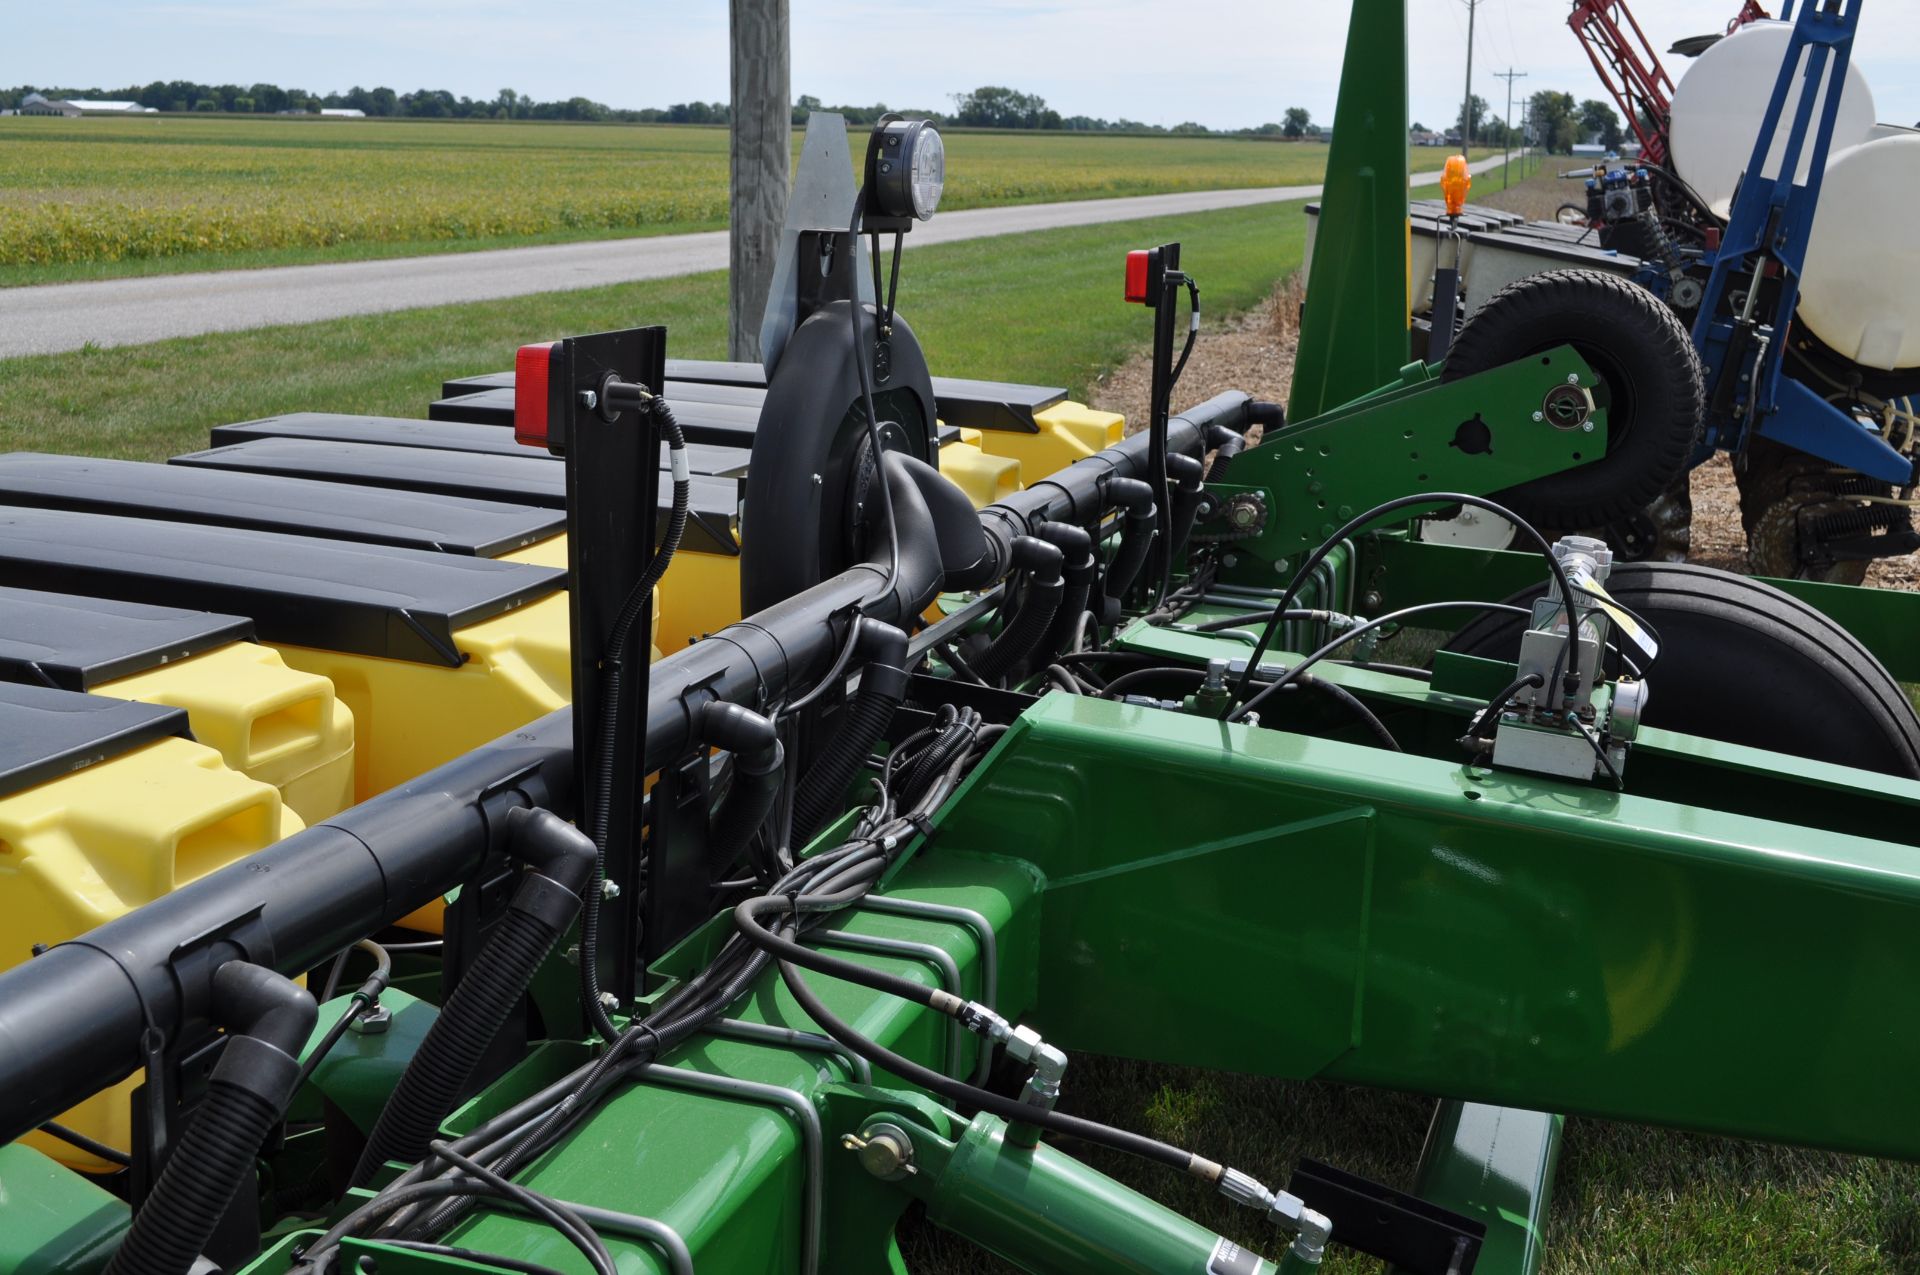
x,y
1554,120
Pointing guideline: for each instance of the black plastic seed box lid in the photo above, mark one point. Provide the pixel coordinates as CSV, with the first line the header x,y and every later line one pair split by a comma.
x,y
46,734
403,604
530,480
727,424
75,643
264,502
389,431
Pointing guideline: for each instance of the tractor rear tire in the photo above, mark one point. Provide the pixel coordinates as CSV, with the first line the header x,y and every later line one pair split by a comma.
x,y
1652,388
1742,662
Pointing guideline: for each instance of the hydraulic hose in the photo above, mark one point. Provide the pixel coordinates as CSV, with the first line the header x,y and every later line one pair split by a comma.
x,y
883,685
1080,572
1043,564
758,759
544,905
271,1018
1136,538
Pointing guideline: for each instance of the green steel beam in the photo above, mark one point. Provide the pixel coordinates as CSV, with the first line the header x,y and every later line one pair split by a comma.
x,y
1353,332
1496,1165
1414,924
1478,435
1049,1214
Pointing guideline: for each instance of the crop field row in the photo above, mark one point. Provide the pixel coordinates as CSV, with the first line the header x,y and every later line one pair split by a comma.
x,y
104,191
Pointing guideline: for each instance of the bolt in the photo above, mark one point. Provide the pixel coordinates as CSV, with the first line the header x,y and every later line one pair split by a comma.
x,y
589,399
609,889
1280,567
1539,416
573,954
1587,428
1316,487
1229,560
1370,599
609,1002
1573,378
1345,511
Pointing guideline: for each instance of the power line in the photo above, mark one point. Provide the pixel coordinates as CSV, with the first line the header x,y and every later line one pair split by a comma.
x,y
1506,166
1466,103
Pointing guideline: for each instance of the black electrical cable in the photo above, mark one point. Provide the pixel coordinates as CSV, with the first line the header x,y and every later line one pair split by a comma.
x,y
612,691
364,998
1484,723
74,1138
562,1219
1134,677
1009,1109
1327,546
861,360
1392,617
421,1201
1352,704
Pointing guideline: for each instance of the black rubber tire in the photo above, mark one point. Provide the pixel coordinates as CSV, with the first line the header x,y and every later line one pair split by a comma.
x,y
1742,662
1776,483
1655,395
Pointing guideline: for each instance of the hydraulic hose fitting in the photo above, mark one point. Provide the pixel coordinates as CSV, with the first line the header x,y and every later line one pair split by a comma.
x,y
1023,1044
1310,1229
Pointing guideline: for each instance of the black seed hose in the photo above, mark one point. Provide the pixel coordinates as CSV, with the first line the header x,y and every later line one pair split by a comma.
x,y
1080,572
883,685
1044,564
272,1018
543,907
1136,538
758,760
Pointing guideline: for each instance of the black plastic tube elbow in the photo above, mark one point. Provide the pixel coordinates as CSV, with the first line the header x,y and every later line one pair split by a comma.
x,y
883,685
758,760
1189,478
1080,571
1225,442
1136,537
269,1019
560,862
1044,565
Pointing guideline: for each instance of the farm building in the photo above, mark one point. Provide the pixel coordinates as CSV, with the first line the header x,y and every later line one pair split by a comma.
x,y
72,107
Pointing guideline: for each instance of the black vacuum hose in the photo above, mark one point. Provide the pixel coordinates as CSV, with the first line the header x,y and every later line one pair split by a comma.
x,y
883,685
758,759
1189,477
256,1075
1143,518
1043,564
1081,569
544,905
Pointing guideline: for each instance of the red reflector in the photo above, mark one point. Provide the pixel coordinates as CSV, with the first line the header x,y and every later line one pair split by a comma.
x,y
1137,276
530,367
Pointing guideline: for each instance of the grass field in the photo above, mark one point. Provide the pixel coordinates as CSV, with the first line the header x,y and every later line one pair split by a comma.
x,y
93,198
1040,308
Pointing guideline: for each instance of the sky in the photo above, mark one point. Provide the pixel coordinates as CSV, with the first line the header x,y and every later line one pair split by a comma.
x,y
1223,63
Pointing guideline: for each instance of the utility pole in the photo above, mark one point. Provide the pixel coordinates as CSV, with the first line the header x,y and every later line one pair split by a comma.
x,y
1509,75
1466,103
759,157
